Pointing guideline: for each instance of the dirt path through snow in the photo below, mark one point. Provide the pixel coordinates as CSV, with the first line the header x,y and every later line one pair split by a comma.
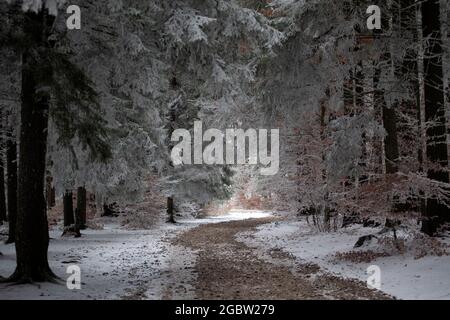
x,y
228,269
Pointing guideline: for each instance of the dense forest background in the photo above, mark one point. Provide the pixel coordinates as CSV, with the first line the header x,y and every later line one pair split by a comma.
x,y
87,115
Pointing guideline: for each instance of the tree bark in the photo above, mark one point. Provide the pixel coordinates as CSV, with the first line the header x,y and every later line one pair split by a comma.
x,y
68,209
437,153
53,197
77,224
391,150
390,142
326,201
81,208
2,177
48,191
71,217
11,167
32,237
2,193
170,210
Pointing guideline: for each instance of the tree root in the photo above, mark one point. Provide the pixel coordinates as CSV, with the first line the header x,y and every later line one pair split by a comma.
x,y
18,278
71,231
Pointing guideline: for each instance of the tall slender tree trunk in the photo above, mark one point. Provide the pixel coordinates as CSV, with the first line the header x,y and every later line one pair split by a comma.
x,y
170,210
53,197
2,194
326,197
390,142
11,168
2,178
391,149
48,191
32,237
68,209
421,108
71,217
436,133
81,208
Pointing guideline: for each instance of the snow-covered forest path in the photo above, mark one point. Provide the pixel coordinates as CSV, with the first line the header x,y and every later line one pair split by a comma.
x,y
226,268
193,259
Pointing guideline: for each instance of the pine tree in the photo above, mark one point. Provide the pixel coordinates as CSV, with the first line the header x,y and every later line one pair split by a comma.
x,y
50,84
435,114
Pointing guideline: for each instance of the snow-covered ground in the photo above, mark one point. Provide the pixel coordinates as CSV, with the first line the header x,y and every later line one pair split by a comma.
x,y
111,261
402,276
116,263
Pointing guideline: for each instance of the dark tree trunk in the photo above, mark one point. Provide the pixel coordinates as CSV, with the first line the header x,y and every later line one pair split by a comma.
x,y
68,209
2,177
2,196
2,193
323,123
71,217
411,70
170,210
11,168
389,119
437,156
81,208
53,197
32,237
48,192
77,224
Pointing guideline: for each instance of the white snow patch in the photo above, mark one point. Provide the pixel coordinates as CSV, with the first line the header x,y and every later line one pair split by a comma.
x,y
402,276
237,214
